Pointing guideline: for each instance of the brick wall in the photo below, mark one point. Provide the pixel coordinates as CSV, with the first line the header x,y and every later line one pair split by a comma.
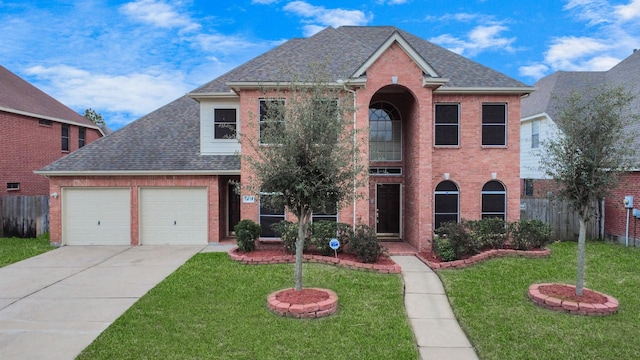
x,y
615,220
212,183
28,146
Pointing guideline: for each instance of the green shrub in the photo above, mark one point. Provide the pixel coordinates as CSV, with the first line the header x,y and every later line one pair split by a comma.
x,y
247,231
321,233
364,244
488,233
529,234
442,247
459,238
288,232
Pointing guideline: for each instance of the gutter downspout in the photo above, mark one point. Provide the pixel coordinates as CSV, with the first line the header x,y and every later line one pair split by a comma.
x,y
355,154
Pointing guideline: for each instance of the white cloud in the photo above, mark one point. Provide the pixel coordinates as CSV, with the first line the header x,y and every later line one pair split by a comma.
x,y
628,12
264,2
535,70
565,51
159,14
479,39
319,17
134,93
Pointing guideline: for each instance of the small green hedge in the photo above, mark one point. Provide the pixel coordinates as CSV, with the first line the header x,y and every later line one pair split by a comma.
x,y
454,241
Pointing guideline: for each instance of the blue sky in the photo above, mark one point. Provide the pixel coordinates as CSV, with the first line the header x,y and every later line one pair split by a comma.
x,y
127,58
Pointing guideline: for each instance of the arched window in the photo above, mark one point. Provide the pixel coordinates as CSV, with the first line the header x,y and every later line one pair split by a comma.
x,y
446,203
494,200
385,132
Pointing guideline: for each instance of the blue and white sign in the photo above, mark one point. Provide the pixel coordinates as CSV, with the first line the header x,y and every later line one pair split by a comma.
x,y
334,244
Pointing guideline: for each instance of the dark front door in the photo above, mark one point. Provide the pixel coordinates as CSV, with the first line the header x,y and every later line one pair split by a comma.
x,y
388,209
234,208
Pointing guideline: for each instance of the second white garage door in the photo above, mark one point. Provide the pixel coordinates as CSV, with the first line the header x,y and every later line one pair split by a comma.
x,y
173,216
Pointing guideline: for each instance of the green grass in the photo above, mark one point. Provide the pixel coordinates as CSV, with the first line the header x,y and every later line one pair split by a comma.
x,y
490,301
14,249
214,308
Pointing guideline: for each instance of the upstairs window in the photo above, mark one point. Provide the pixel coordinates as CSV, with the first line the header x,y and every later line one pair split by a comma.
x,y
13,186
224,123
494,200
447,124
271,119
494,124
44,122
446,203
385,132
82,135
65,137
535,134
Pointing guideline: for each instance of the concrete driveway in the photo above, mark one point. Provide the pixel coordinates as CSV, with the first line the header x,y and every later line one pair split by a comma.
x,y
54,305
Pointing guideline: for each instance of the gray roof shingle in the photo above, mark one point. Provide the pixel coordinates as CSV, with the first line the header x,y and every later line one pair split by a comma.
x,y
168,138
18,95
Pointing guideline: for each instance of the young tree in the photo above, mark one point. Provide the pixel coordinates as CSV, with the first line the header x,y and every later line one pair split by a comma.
x,y
593,147
305,157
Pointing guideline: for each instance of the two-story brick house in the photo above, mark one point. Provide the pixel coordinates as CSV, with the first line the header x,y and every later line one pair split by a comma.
x,y
443,144
36,130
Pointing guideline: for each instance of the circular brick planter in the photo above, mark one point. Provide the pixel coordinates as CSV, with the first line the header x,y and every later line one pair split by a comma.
x,y
572,307
304,311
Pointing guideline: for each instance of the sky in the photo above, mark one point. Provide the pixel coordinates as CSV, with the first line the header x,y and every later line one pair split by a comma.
x,y
125,59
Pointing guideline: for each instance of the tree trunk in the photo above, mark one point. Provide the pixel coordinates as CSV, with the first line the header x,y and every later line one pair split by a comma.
x,y
303,224
581,255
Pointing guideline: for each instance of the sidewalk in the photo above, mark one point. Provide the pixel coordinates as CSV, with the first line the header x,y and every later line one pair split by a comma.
x,y
437,331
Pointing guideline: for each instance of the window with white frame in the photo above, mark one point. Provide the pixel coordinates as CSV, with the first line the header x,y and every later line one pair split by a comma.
x,y
494,200
269,215
65,137
329,214
385,132
82,137
271,119
494,124
225,123
447,124
535,134
446,203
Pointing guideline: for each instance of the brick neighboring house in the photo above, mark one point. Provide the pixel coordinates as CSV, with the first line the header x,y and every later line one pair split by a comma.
x,y
538,112
444,145
36,130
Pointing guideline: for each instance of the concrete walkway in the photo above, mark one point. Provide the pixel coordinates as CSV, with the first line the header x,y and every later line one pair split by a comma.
x,y
54,305
437,331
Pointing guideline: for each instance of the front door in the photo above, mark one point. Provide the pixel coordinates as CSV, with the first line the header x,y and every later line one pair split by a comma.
x,y
234,208
388,210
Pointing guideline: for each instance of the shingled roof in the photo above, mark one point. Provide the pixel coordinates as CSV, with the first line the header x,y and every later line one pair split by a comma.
x,y
167,140
559,84
19,96
345,49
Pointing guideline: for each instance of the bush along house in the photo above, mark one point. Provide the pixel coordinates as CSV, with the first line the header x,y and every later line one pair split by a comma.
x,y
442,143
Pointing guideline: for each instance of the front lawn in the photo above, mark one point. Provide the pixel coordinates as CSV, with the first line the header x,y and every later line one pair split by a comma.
x,y
214,308
14,249
490,301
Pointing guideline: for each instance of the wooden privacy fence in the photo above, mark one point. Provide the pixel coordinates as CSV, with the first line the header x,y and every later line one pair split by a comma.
x,y
563,220
24,216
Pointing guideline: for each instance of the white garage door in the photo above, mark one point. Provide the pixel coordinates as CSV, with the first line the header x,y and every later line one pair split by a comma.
x,y
94,216
173,216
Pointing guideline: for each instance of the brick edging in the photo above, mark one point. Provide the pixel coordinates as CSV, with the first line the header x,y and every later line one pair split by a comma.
x,y
285,259
572,307
306,311
457,264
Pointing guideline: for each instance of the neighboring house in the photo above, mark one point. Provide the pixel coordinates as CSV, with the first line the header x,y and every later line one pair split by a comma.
x,y
443,145
537,124
36,130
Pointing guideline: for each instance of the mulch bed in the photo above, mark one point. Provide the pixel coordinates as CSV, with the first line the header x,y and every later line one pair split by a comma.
x,y
564,292
304,296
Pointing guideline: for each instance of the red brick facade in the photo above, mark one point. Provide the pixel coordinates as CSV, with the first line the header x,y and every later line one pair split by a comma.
x,y
396,79
615,221
28,146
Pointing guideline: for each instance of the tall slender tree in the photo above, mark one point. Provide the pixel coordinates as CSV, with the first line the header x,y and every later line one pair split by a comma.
x,y
594,145
305,156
